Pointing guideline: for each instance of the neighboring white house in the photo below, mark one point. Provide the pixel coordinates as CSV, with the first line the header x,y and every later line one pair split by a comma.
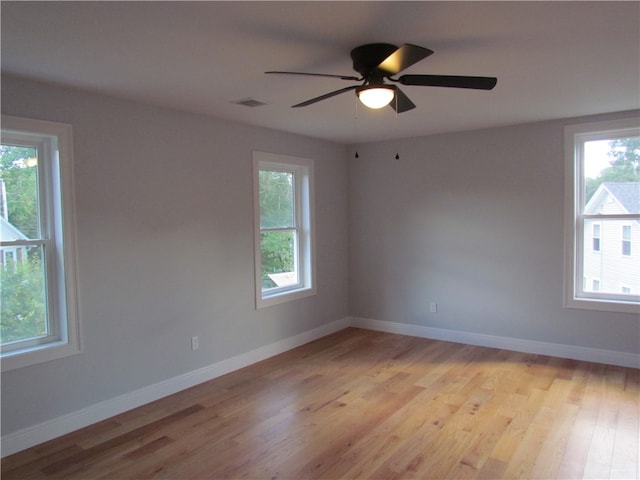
x,y
10,233
612,247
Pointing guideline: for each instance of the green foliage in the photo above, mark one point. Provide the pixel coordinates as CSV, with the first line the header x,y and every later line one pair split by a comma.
x,y
19,172
22,297
277,255
276,211
276,199
23,313
624,164
625,161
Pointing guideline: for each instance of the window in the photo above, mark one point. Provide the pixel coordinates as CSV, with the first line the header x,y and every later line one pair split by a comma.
x,y
602,208
283,205
626,240
596,237
38,318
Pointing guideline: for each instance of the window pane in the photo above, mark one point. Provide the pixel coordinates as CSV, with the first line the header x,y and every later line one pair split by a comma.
x,y
612,176
19,185
596,237
613,266
23,294
278,259
276,199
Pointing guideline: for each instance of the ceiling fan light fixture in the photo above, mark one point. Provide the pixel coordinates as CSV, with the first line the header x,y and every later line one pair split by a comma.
x,y
375,97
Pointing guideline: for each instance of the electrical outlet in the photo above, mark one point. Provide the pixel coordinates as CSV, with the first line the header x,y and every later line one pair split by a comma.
x,y
433,307
195,343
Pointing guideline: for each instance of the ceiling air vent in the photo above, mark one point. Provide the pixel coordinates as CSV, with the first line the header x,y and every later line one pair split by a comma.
x,y
249,102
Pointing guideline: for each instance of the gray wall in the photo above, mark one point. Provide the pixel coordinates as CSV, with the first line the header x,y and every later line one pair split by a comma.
x,y
474,222
165,248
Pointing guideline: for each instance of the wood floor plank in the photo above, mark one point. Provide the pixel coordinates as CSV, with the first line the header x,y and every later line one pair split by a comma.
x,y
524,458
404,429
362,404
551,452
626,448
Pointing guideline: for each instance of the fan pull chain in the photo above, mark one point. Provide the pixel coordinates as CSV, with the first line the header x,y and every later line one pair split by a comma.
x,y
356,110
397,154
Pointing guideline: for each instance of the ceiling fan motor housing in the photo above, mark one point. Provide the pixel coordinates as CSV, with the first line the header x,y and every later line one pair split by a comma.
x,y
366,58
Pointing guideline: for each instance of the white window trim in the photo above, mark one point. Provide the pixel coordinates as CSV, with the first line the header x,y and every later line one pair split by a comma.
x,y
304,197
574,228
63,304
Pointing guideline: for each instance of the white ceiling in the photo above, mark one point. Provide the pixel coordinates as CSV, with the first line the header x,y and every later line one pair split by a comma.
x,y
552,59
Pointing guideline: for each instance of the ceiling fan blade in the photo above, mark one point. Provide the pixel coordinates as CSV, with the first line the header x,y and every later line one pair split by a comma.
x,y
477,83
403,58
401,102
325,96
342,77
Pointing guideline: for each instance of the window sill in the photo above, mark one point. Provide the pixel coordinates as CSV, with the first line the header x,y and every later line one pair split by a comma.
x,y
603,306
283,297
39,354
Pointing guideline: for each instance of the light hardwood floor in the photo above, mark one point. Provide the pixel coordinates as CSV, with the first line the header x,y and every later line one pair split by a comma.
x,y
363,404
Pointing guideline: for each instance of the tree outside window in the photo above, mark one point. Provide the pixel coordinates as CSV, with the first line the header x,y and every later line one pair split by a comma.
x,y
23,314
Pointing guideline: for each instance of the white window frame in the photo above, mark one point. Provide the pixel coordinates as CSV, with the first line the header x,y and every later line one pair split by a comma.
x,y
55,174
575,136
303,171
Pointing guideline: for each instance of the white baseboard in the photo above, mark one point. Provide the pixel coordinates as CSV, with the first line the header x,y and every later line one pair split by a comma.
x,y
611,357
42,432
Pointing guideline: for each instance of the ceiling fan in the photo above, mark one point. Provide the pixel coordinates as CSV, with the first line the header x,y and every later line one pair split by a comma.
x,y
377,62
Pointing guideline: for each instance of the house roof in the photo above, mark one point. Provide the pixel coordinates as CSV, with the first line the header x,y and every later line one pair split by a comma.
x,y
627,193
8,232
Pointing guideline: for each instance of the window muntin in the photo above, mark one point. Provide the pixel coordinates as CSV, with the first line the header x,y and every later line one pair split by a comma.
x,y
283,202
603,194
38,321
